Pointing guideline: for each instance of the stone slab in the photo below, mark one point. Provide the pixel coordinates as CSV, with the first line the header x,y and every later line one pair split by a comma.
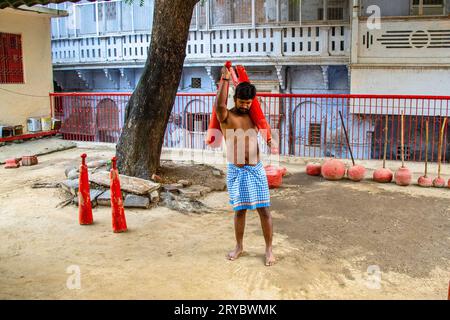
x,y
35,147
104,199
128,184
134,201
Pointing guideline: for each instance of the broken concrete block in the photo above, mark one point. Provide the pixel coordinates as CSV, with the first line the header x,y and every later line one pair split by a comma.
x,y
154,196
128,184
195,191
218,185
96,164
73,174
70,186
69,169
134,201
104,199
172,187
93,194
185,183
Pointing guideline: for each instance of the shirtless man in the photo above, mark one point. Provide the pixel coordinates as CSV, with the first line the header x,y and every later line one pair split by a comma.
x,y
246,177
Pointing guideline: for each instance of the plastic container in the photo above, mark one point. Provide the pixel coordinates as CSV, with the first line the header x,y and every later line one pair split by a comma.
x,y
56,124
18,130
29,160
46,124
34,125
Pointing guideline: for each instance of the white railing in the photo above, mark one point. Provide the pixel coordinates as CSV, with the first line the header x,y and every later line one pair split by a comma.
x,y
266,42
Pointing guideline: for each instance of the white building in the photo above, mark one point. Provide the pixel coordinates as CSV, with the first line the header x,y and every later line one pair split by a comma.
x,y
287,46
406,52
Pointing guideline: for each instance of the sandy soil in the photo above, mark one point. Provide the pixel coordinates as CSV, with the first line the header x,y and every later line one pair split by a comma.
x,y
327,235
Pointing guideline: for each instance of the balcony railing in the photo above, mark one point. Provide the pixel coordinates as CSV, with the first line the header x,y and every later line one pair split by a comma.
x,y
115,31
266,43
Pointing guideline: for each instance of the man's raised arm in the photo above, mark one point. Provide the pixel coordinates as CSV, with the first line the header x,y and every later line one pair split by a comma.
x,y
221,102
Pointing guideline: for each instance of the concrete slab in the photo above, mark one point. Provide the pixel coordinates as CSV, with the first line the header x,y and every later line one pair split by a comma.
x,y
34,147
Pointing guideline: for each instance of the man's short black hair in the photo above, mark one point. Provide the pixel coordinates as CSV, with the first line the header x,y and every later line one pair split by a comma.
x,y
245,91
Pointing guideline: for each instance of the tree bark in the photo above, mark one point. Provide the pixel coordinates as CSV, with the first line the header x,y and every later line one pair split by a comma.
x,y
148,110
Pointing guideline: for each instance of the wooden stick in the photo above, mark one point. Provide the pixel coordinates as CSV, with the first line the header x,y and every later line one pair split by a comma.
x,y
441,140
385,141
426,148
402,141
346,138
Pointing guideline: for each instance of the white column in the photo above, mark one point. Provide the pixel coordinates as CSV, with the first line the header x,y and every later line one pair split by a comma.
x,y
420,7
325,77
96,18
253,14
197,18
132,18
300,7
75,19
207,8
355,33
325,10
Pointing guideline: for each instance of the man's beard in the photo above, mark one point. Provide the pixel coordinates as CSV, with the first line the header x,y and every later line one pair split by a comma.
x,y
242,110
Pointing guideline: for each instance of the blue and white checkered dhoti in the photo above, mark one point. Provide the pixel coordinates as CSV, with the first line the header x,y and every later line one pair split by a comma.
x,y
248,187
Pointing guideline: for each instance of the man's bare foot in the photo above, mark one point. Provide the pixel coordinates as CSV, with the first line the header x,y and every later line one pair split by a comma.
x,y
233,255
270,259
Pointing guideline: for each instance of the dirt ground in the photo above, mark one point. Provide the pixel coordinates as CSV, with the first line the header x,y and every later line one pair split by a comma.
x,y
333,240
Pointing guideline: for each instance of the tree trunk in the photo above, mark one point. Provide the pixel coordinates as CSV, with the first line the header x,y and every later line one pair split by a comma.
x,y
148,110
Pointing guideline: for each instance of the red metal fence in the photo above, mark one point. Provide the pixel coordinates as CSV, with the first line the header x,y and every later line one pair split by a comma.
x,y
307,125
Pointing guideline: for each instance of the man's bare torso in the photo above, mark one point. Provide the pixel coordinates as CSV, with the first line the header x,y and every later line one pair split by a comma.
x,y
240,132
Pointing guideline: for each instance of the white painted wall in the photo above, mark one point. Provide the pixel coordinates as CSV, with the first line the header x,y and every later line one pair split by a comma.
x,y
200,72
411,81
20,101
